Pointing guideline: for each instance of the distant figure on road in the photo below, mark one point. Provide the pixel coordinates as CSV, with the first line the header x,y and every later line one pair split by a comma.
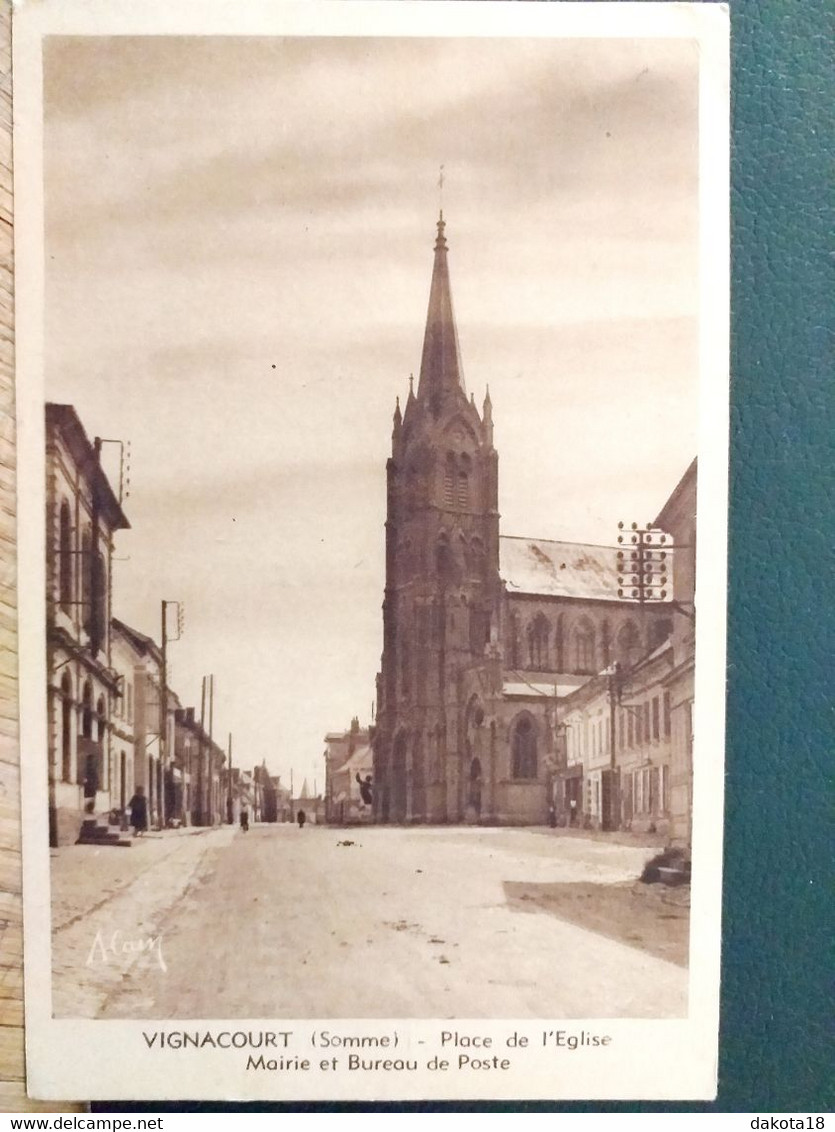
x,y
245,820
139,811
365,789
301,818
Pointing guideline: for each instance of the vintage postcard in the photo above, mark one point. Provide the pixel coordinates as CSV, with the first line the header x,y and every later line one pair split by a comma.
x,y
373,397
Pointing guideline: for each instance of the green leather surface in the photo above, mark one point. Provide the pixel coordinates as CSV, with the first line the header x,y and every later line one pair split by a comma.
x,y
776,995
778,862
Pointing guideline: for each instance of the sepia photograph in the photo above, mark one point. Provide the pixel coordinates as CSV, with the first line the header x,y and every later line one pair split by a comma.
x,y
367,438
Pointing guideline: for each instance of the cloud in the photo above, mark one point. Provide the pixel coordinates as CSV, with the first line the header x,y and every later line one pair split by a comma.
x,y
219,207
303,127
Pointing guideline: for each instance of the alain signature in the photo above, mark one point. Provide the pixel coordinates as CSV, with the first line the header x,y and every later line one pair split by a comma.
x,y
117,947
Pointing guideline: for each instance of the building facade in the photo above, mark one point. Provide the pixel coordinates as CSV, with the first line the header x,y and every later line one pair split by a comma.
x,y
138,659
617,731
114,723
678,516
349,775
126,658
200,781
628,732
83,514
483,635
268,786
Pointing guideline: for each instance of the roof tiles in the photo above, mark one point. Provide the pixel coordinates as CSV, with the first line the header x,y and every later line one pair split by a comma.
x,y
558,569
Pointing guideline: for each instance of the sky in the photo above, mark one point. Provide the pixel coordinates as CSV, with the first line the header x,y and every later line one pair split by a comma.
x,y
238,252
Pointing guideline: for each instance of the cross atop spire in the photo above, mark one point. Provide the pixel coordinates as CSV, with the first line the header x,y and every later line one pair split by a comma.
x,y
440,366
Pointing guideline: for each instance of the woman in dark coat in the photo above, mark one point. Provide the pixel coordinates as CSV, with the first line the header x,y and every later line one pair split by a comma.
x,y
139,811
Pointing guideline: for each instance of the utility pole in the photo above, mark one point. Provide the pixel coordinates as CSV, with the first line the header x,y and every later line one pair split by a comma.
x,y
96,580
643,573
211,775
555,764
101,588
614,784
200,784
163,701
163,714
229,809
643,570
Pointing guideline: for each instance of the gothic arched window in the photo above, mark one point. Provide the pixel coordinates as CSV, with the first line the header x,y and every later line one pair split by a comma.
x,y
463,551
443,558
559,644
463,496
539,631
584,646
65,570
628,647
514,642
449,480
463,491
606,644
523,749
477,556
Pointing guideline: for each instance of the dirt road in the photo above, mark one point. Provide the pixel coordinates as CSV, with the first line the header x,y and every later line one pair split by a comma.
x,y
381,922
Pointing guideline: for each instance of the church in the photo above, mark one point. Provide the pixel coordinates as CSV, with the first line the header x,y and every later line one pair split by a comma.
x,y
483,635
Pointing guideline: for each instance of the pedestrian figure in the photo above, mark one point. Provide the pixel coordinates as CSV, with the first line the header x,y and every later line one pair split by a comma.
x,y
552,817
139,811
572,817
301,818
365,789
245,820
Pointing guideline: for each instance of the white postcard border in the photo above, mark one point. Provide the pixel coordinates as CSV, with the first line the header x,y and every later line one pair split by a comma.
x,y
646,1059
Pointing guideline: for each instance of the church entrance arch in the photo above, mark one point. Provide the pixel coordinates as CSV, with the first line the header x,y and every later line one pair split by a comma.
x,y
474,788
475,753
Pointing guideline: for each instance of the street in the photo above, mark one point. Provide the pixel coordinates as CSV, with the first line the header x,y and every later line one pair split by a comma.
x,y
372,922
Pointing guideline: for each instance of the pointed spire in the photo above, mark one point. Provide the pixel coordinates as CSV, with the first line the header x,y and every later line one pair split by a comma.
x,y
487,416
440,366
410,400
398,416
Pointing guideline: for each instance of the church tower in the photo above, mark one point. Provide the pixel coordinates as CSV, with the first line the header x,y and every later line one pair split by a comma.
x,y
443,594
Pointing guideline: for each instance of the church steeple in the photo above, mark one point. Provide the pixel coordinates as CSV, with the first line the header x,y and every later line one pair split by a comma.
x,y
443,594
440,365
